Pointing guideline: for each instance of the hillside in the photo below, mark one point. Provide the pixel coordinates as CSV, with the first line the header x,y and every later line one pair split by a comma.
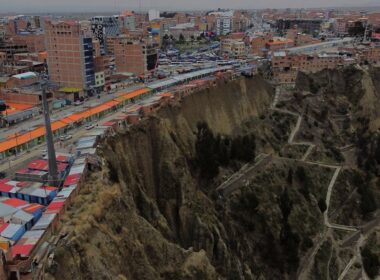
x,y
226,184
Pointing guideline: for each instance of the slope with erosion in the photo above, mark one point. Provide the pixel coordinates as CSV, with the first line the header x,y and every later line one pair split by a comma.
x,y
152,214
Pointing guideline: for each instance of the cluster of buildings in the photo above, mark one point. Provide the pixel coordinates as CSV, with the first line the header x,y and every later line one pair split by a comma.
x,y
85,57
313,40
31,209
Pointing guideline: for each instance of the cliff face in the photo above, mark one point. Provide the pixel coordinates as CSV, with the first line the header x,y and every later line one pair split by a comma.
x,y
150,213
359,87
145,216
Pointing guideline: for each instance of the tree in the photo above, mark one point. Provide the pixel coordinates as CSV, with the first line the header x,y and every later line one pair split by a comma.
x,y
244,148
286,205
300,173
368,203
165,41
371,262
181,39
206,157
289,179
322,205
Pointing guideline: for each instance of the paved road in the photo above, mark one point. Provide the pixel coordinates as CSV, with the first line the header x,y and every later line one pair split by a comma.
x,y
10,166
59,114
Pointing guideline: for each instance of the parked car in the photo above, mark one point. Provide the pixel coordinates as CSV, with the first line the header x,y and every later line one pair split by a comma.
x,y
44,153
65,137
78,103
89,126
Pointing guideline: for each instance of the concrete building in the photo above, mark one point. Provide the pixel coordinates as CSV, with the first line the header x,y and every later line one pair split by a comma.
x,y
306,25
128,21
340,26
34,42
279,43
11,48
234,48
100,80
153,14
258,43
3,57
285,65
137,57
103,27
2,31
186,29
70,55
223,25
300,39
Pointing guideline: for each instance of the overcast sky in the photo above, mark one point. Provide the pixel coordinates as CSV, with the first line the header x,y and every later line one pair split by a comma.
x,y
24,6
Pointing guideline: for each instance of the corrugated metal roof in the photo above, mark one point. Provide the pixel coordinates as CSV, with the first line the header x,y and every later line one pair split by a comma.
x,y
6,210
162,83
40,193
44,222
77,169
28,191
79,161
11,231
96,132
85,145
26,75
22,250
15,202
65,193
31,237
88,151
22,216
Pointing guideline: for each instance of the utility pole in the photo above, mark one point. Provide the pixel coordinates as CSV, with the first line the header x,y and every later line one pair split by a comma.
x,y
53,170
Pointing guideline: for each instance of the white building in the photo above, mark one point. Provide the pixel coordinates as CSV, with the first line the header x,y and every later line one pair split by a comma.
x,y
224,25
153,14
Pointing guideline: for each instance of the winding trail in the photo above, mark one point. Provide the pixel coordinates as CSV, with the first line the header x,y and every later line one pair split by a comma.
x,y
306,264
243,175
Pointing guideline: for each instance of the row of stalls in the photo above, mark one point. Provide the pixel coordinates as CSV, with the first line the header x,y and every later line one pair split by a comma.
x,y
49,220
24,201
16,217
26,233
21,142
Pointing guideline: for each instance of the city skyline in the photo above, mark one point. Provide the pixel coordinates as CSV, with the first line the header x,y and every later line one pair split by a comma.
x,y
23,6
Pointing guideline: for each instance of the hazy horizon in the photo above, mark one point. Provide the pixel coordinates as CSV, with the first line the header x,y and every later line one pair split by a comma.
x,y
35,6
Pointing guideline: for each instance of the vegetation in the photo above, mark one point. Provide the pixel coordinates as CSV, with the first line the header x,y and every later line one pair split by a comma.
x,y
371,262
215,151
289,240
368,159
322,205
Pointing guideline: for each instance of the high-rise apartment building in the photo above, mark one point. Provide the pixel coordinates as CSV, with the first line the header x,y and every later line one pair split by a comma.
x,y
223,25
134,56
127,21
103,27
70,55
